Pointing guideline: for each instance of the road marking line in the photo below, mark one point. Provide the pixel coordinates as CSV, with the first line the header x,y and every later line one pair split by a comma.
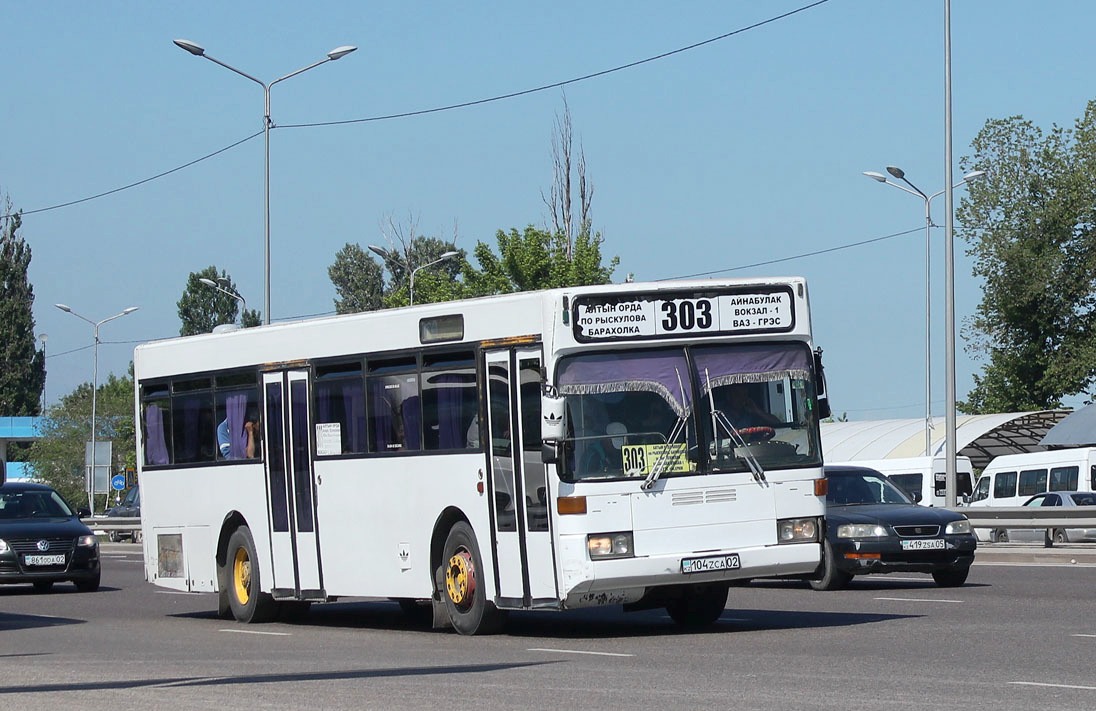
x,y
177,592
915,599
1083,635
580,651
1053,686
271,634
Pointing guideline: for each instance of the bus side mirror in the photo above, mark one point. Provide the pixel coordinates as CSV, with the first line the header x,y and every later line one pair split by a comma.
x,y
551,422
552,430
823,398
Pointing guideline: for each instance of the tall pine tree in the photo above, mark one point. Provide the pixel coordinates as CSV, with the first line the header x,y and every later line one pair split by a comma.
x,y
22,366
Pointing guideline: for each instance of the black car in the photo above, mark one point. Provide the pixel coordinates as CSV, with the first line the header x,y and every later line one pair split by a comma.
x,y
128,507
872,526
43,541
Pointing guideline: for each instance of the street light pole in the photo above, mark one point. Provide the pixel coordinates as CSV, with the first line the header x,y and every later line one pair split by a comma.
x,y
94,388
389,256
221,286
916,191
199,51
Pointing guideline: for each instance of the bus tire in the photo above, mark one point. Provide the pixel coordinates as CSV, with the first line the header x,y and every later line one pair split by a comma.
x,y
698,605
833,578
463,586
243,581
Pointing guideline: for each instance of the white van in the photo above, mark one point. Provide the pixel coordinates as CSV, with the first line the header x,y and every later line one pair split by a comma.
x,y
924,478
1012,479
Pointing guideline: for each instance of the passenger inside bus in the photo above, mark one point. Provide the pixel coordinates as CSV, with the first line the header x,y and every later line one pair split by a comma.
x,y
251,432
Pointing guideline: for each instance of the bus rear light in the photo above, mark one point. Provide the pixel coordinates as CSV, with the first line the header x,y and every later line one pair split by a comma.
x,y
571,505
821,487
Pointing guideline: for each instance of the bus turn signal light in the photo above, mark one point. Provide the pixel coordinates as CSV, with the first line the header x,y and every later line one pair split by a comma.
x,y
571,505
821,487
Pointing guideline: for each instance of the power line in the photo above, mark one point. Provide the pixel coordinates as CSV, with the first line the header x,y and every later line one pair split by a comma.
x,y
796,256
560,84
450,107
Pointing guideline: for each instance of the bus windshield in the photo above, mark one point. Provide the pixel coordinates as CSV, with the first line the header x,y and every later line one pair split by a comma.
x,y
632,413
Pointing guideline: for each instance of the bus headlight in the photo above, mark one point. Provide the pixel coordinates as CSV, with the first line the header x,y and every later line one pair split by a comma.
x,y
861,530
958,527
610,545
796,530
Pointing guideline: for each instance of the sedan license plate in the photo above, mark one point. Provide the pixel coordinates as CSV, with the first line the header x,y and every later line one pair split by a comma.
x,y
729,561
45,559
923,544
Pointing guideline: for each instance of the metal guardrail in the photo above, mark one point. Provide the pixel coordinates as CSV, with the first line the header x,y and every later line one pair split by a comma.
x,y
1029,516
112,523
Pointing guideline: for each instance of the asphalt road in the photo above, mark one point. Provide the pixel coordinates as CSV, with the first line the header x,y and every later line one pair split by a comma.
x,y
1018,636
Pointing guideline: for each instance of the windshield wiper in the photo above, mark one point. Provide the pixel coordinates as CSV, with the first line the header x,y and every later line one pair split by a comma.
x,y
664,459
718,418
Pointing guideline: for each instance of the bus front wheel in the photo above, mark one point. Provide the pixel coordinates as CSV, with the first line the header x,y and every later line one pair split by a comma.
x,y
242,582
463,587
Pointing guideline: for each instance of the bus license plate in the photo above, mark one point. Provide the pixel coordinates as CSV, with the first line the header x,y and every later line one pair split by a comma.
x,y
923,544
710,563
45,559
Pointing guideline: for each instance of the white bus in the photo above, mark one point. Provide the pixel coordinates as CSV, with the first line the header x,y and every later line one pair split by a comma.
x,y
543,450
925,479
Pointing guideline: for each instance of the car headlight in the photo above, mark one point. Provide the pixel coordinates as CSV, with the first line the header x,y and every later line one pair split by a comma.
x,y
962,526
610,545
861,530
87,542
796,530
4,547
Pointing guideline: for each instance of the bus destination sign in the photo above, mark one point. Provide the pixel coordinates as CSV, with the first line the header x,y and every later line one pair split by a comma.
x,y
668,315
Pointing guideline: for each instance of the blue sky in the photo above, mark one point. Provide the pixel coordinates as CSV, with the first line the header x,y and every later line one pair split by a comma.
x,y
738,155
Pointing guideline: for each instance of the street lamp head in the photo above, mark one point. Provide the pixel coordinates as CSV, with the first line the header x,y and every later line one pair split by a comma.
x,y
336,53
379,251
129,310
208,282
64,308
896,172
196,49
448,255
876,176
973,175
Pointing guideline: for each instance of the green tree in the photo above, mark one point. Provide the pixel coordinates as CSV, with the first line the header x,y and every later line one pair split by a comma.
x,y
358,280
202,307
22,365
58,457
1031,223
537,259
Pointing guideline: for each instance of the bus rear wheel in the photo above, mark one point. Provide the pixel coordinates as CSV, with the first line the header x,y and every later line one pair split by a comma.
x,y
242,580
463,588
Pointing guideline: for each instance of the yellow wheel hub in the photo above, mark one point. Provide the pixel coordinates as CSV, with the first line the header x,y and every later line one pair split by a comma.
x,y
241,576
460,579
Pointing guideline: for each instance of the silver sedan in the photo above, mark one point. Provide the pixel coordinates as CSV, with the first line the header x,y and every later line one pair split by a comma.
x,y
1056,535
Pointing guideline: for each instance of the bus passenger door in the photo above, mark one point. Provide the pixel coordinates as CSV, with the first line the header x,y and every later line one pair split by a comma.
x,y
524,559
291,487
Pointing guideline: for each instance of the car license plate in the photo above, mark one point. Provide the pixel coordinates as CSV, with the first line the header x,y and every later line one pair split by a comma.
x,y
45,559
729,561
923,544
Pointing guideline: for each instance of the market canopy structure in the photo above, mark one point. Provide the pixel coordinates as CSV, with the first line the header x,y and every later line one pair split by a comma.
x,y
980,437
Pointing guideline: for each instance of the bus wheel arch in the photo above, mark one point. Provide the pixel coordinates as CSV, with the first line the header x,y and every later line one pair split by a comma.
x,y
232,521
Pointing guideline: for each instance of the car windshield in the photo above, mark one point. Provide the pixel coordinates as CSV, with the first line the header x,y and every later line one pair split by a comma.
x,y
32,504
855,488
